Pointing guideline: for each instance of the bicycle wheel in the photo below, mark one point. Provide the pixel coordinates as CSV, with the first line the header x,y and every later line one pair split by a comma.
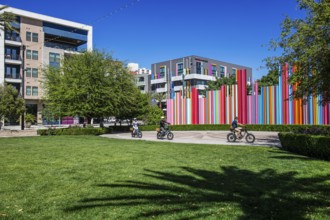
x,y
170,136
139,134
231,137
250,138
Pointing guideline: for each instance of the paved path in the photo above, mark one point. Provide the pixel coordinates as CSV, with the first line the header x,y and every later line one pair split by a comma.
x,y
205,137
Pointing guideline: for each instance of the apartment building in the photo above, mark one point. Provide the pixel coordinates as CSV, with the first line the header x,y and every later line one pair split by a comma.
x,y
182,74
141,75
37,41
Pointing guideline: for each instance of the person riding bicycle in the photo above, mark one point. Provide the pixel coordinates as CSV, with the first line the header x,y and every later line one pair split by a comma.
x,y
237,129
135,125
162,124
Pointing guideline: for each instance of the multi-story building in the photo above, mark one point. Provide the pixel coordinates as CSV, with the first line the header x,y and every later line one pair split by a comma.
x,y
184,73
142,77
37,41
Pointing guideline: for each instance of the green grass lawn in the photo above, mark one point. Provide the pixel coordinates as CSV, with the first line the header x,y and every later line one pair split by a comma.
x,y
84,177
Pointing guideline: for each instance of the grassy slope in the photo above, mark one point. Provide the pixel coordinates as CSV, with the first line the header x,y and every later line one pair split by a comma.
x,y
98,178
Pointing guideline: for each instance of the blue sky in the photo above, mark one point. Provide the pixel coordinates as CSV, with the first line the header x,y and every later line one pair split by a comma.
x,y
150,31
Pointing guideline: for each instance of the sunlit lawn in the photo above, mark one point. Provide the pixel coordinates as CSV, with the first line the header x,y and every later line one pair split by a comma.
x,y
98,178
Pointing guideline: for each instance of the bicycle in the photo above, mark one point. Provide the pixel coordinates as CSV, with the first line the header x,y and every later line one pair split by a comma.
x,y
137,133
231,137
167,133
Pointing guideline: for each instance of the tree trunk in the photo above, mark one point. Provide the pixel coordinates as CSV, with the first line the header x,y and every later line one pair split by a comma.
x,y
89,120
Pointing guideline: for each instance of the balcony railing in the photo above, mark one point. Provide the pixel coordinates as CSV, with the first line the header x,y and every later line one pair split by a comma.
x,y
61,46
13,38
12,76
13,57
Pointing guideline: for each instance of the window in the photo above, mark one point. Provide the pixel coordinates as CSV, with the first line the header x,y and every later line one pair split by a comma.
x,y
233,72
222,70
162,72
28,72
12,72
34,55
35,73
214,70
34,37
34,91
28,36
198,67
28,90
28,54
141,79
180,69
54,59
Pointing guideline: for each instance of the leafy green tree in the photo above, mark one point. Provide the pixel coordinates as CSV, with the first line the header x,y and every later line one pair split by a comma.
x,y
6,18
91,84
154,115
11,104
216,85
271,78
305,43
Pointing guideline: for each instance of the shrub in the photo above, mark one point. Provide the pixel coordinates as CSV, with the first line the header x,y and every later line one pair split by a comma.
x,y
308,145
71,131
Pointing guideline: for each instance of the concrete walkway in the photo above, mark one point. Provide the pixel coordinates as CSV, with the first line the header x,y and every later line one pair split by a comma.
x,y
263,138
269,139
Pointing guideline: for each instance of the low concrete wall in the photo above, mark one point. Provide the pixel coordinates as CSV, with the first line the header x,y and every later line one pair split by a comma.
x,y
17,133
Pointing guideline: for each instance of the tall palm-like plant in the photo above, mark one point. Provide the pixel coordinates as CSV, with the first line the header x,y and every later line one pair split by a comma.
x,y
6,18
159,97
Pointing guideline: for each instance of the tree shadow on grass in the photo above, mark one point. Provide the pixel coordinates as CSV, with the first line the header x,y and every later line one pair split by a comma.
x,y
259,195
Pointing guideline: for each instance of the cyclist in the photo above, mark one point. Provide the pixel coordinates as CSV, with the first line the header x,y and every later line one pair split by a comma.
x,y
162,124
135,125
237,129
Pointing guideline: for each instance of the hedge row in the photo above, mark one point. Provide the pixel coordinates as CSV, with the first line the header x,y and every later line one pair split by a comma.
x,y
307,145
72,131
321,129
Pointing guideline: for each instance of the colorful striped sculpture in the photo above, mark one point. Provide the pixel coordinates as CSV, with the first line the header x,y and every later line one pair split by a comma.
x,y
272,106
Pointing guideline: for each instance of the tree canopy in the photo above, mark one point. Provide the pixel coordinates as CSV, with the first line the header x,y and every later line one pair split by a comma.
x,y
11,104
216,85
6,18
92,85
305,43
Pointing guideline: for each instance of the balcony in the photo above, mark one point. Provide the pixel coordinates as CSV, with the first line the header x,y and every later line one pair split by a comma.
x,y
159,90
13,59
157,81
176,78
177,88
13,78
199,76
13,40
200,87
140,83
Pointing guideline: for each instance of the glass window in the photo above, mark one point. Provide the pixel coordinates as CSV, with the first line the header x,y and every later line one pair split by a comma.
x,y
35,37
34,91
35,73
162,72
233,71
35,55
28,72
8,71
214,70
180,69
28,36
28,54
28,90
198,67
54,59
222,69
